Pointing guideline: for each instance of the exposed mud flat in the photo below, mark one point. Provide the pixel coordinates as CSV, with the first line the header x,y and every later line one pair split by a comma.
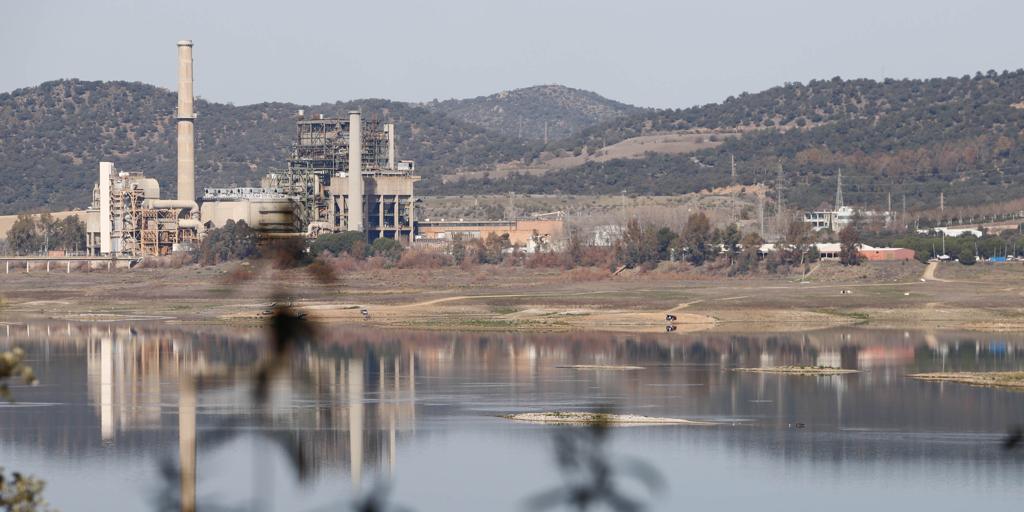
x,y
611,367
597,418
989,379
799,370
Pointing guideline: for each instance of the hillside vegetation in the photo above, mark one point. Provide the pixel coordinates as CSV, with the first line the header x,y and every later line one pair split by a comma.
x,y
526,113
961,136
53,136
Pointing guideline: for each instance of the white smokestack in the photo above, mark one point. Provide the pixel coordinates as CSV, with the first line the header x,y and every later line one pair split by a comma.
x,y
391,146
186,129
106,172
355,172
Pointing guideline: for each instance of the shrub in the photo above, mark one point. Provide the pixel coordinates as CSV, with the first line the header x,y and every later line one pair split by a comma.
x,y
387,248
546,260
322,271
420,258
348,242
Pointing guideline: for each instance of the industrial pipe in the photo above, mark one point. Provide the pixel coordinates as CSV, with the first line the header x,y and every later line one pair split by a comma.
x,y
171,203
192,223
316,226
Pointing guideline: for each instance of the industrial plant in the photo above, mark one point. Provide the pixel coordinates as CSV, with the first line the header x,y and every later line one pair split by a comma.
x,y
342,174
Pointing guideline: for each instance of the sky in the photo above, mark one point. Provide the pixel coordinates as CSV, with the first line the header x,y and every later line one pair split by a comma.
x,y
668,54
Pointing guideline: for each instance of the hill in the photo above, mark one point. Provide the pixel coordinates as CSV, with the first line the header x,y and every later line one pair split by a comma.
x,y
961,136
914,138
527,112
52,137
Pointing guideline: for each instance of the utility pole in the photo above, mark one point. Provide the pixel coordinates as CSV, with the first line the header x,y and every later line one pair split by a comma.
x,y
732,163
839,189
942,202
625,218
760,214
779,206
888,211
545,133
903,216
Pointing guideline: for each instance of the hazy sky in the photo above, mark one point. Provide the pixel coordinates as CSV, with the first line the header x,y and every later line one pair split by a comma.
x,y
661,54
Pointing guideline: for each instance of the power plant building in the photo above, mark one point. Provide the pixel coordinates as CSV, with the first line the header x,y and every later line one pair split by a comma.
x,y
342,175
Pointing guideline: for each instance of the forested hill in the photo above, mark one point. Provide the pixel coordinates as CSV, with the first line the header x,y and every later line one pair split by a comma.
x,y
53,136
528,112
962,136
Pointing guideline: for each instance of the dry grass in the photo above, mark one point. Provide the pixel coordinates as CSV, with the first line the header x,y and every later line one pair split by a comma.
x,y
423,259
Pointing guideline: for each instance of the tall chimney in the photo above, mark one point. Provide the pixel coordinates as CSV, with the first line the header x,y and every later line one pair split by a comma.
x,y
186,129
391,146
355,172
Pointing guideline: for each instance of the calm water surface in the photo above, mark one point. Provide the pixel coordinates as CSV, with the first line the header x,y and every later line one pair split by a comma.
x,y
116,406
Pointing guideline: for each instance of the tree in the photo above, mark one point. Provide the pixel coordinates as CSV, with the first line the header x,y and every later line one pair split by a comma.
x,y
638,245
45,228
233,241
968,258
23,237
574,246
665,238
746,261
69,234
494,247
849,245
458,249
696,238
798,239
731,241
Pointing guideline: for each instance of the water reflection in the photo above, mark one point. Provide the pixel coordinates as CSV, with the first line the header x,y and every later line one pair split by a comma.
x,y
354,398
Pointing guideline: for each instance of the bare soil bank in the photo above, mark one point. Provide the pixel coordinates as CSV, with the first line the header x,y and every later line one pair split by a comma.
x,y
983,297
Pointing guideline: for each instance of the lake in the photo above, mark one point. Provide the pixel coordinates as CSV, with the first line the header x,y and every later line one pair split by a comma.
x,y
120,404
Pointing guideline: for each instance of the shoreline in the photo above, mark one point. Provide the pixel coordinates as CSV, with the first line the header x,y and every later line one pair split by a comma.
x,y
516,299
996,379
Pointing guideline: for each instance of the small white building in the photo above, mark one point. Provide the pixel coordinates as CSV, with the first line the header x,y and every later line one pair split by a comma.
x,y
953,232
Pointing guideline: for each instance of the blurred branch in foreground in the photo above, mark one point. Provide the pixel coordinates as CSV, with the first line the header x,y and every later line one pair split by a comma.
x,y
590,476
